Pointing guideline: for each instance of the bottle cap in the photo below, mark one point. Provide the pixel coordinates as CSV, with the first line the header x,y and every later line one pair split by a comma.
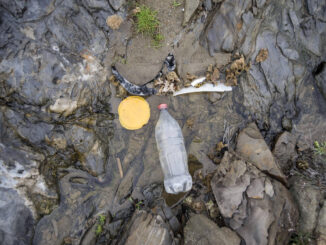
x,y
162,106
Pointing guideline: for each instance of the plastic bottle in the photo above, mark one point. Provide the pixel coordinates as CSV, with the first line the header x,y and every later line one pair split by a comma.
x,y
172,153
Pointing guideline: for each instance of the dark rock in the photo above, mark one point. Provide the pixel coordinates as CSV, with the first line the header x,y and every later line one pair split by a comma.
x,y
201,230
16,219
117,4
286,123
285,152
258,208
167,212
321,78
221,33
114,227
175,224
79,201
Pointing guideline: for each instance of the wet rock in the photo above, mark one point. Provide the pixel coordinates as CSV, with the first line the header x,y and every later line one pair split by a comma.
x,y
321,78
16,219
321,225
190,8
114,227
80,198
201,230
148,229
90,237
286,123
243,193
308,197
117,4
221,33
251,145
285,152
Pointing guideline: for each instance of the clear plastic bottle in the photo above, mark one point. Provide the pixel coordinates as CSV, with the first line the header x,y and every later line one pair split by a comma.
x,y
172,152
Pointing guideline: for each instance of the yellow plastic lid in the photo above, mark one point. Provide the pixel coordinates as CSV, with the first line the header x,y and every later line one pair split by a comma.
x,y
134,112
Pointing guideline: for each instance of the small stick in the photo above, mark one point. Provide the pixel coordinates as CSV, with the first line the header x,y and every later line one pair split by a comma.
x,y
120,167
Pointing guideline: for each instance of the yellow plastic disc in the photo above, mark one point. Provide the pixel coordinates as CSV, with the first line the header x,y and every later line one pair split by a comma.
x,y
134,112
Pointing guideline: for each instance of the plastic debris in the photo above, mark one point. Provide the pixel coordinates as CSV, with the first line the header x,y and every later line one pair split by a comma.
x,y
132,88
207,87
143,90
134,112
198,81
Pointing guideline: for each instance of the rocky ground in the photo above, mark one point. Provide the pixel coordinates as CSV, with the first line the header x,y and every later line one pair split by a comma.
x,y
257,176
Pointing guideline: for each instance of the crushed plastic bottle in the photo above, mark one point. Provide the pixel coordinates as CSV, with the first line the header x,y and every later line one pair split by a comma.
x,y
172,153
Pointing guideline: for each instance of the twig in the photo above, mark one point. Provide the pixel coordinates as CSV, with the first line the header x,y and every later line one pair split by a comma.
x,y
120,167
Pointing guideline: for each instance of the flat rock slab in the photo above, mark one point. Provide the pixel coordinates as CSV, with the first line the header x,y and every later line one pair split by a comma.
x,y
252,146
259,208
200,230
148,229
190,8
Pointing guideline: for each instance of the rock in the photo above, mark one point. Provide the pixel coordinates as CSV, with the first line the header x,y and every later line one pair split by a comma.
x,y
285,152
251,145
308,197
90,236
258,208
202,231
321,226
148,229
117,4
286,123
221,32
81,196
321,78
16,219
114,227
190,8
114,21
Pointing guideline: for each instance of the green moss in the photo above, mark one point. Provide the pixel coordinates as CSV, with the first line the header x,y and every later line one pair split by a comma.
x,y
301,238
320,148
148,24
175,4
100,223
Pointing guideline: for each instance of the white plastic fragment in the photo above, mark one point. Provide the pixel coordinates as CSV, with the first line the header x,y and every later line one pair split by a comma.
x,y
198,81
208,87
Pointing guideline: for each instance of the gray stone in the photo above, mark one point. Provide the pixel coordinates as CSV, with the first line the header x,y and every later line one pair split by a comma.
x,y
308,197
321,225
221,32
287,50
117,4
148,229
190,8
202,231
251,145
16,219
262,216
256,189
284,151
321,79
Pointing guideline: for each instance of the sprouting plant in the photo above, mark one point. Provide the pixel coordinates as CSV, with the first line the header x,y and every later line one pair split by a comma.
x,y
300,239
320,148
100,223
137,205
147,23
175,4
